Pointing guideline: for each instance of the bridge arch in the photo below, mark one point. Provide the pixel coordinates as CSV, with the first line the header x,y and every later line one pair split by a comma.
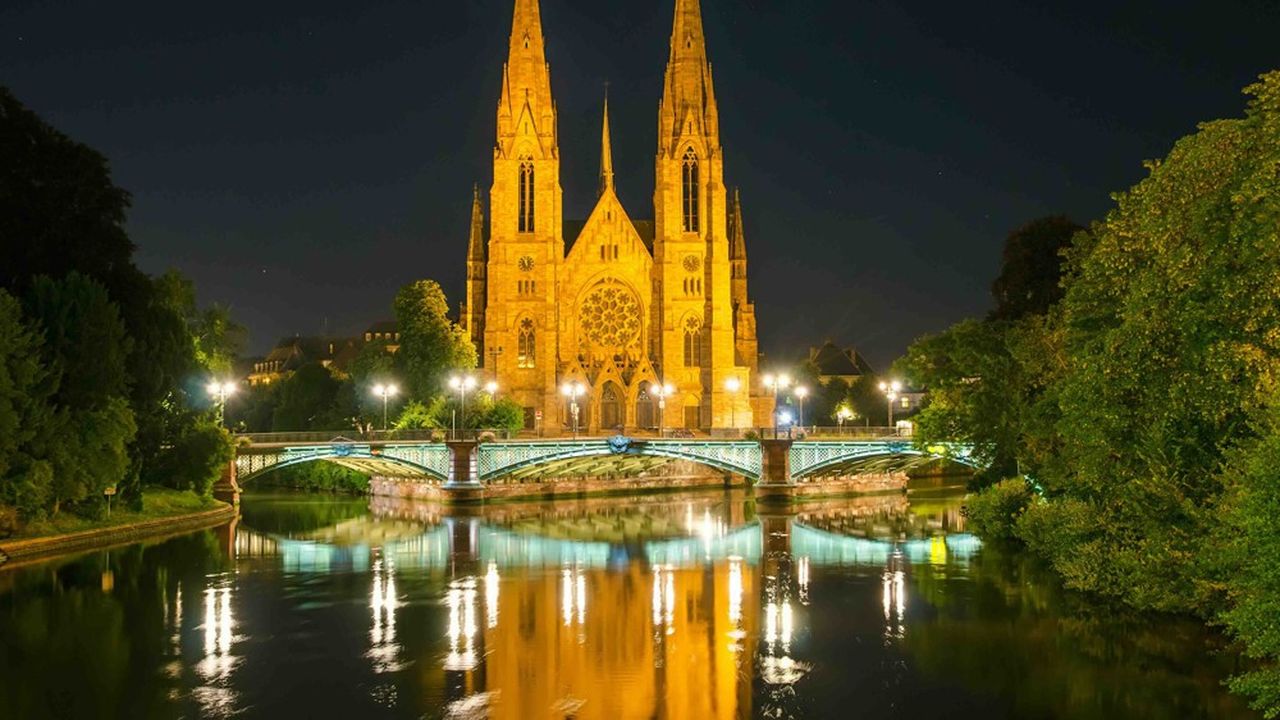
x,y
496,460
428,460
820,458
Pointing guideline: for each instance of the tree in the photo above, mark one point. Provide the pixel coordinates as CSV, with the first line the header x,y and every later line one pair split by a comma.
x,y
868,401
59,210
25,412
985,380
216,338
85,347
431,345
61,213
1031,270
1171,331
84,339
1242,560
374,365
308,400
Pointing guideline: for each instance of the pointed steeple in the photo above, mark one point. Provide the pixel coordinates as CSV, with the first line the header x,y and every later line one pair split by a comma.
x,y
688,100
526,106
476,246
737,238
606,153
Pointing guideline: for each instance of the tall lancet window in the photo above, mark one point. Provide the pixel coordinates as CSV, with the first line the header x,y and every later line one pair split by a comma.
x,y
525,345
526,195
690,187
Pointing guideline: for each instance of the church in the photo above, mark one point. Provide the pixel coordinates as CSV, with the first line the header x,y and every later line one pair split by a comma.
x,y
639,324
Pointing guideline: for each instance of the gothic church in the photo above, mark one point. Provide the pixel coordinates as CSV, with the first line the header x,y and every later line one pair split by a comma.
x,y
634,306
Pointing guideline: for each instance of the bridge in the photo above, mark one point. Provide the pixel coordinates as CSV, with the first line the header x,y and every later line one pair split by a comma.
x,y
464,468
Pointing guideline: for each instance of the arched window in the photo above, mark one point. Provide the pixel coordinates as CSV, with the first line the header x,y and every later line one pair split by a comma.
x,y
646,408
611,407
526,195
692,343
525,344
690,186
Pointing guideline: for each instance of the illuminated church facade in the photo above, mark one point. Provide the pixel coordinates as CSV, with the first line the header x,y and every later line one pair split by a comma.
x,y
639,314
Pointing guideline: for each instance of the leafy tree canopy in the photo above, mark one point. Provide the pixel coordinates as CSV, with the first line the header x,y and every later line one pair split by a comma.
x,y
431,345
1030,280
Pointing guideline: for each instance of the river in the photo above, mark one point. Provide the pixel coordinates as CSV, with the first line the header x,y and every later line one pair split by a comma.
x,y
677,606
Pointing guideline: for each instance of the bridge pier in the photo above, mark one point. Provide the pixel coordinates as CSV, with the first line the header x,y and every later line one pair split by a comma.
x,y
226,488
463,485
776,485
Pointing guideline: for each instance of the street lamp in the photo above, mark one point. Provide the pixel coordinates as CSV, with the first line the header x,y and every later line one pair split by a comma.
x,y
801,393
733,385
491,387
843,413
891,390
784,419
775,383
573,390
385,392
462,385
219,391
661,392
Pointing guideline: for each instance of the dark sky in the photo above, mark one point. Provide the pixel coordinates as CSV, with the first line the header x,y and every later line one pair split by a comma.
x,y
302,160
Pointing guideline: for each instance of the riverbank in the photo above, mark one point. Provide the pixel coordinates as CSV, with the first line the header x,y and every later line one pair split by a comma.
x,y
163,511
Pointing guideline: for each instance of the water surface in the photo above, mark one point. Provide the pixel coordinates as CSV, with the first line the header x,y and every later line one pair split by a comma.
x,y
688,606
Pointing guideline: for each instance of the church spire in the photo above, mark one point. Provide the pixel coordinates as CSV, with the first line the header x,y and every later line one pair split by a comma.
x,y
688,99
476,248
606,152
737,238
526,106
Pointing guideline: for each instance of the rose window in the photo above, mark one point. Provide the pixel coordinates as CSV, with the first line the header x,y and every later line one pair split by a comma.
x,y
610,316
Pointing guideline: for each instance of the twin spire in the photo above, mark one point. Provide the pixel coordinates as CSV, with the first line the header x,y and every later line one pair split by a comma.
x,y
526,106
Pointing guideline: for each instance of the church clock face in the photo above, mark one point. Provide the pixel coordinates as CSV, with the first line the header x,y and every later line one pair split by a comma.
x,y
525,263
692,263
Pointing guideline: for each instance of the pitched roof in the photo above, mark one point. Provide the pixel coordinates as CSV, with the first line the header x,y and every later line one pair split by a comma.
x,y
830,360
644,228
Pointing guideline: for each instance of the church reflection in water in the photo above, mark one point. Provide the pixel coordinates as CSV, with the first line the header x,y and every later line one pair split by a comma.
x,y
688,608
610,642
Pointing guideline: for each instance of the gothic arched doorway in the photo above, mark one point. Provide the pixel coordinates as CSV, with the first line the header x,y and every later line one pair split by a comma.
x,y
611,407
646,409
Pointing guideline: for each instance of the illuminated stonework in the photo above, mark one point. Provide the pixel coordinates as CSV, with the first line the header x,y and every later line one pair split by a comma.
x,y
610,302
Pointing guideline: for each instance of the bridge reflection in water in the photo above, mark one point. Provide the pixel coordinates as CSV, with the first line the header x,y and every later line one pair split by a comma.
x,y
687,607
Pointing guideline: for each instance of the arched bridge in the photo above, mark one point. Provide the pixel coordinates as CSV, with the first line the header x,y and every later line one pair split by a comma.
x,y
469,463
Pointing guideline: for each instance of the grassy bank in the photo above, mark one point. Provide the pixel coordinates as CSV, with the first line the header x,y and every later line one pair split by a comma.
x,y
157,503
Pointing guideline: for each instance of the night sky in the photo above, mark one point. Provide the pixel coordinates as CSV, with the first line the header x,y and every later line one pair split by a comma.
x,y
302,160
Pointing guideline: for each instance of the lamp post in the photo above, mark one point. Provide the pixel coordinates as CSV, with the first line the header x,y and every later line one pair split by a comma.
x,y
491,387
891,390
784,417
775,383
843,414
219,391
573,390
801,393
462,384
661,391
385,392
732,385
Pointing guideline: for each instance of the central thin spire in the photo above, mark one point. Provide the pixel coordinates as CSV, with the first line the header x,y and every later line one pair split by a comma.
x,y
606,151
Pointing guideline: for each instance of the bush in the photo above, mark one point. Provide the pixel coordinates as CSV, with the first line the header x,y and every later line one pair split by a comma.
x,y
994,511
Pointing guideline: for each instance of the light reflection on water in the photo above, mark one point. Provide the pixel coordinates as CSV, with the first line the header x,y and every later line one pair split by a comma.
x,y
696,606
